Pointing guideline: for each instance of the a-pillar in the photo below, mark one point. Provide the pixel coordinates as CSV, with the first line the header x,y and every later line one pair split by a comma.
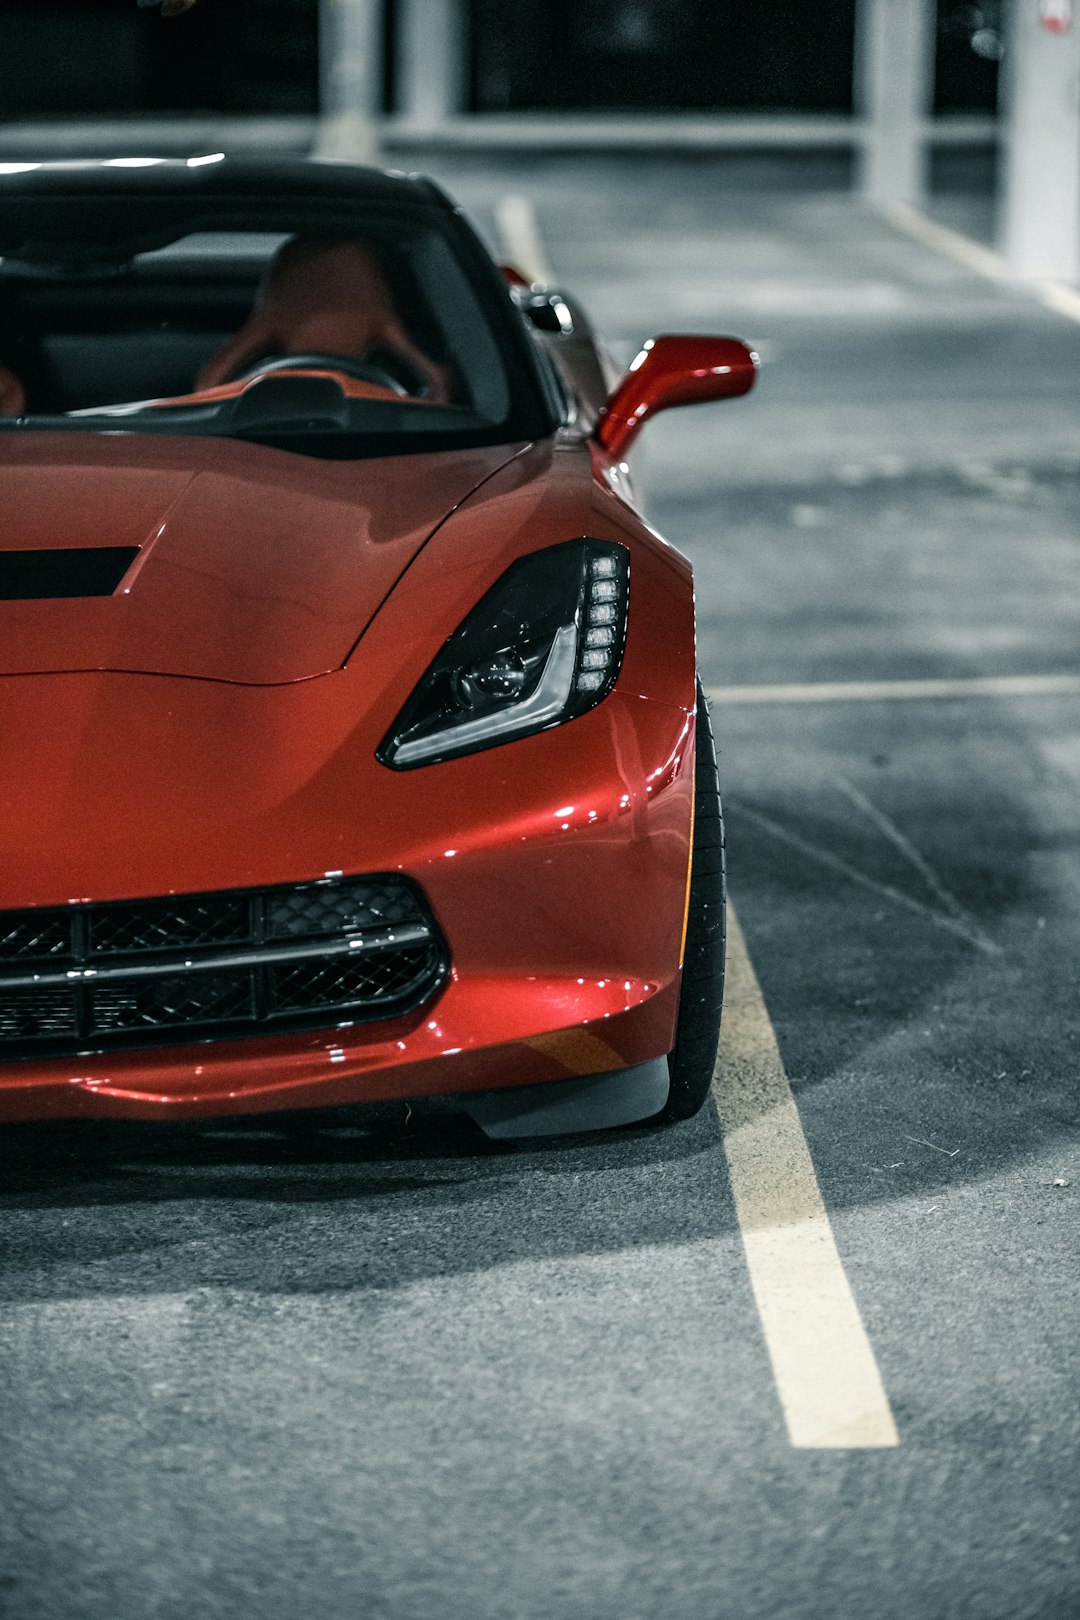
x,y
894,89
350,79
431,47
1040,195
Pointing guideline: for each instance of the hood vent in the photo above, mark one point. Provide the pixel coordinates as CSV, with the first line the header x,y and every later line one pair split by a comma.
x,y
27,576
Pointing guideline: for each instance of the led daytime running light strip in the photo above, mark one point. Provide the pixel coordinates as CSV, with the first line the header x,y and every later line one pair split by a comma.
x,y
599,647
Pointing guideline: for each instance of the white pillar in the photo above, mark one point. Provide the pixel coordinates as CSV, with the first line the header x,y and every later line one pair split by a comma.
x,y
894,82
1040,197
431,46
350,79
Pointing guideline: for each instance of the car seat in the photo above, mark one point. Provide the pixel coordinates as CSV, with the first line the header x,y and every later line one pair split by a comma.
x,y
323,299
12,393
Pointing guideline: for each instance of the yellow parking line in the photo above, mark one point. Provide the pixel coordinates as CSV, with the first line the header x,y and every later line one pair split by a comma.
x,y
977,686
826,1376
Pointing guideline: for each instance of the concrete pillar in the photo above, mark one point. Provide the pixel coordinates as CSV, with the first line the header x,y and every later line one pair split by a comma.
x,y
432,67
350,79
1040,196
894,85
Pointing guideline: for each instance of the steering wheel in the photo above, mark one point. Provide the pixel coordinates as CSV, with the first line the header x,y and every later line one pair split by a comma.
x,y
362,370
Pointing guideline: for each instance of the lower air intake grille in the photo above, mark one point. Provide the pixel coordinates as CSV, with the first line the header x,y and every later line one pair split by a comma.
x,y
245,962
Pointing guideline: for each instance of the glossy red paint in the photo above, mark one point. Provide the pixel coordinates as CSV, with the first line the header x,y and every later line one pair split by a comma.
x,y
555,865
674,371
254,565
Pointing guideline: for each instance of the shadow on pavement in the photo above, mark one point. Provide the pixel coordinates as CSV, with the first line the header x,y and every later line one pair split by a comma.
x,y
918,1060
121,1208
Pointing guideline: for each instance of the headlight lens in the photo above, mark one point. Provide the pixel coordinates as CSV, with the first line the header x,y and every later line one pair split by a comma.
x,y
544,645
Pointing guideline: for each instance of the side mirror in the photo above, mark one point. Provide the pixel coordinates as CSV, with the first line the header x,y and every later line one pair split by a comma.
x,y
674,371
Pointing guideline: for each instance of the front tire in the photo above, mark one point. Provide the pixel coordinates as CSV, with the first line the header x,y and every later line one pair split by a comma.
x,y
701,997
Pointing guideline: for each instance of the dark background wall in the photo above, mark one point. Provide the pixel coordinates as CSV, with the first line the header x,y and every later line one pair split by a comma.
x,y
969,49
69,57
765,55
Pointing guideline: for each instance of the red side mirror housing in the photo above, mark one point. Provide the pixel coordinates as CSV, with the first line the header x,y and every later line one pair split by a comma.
x,y
674,371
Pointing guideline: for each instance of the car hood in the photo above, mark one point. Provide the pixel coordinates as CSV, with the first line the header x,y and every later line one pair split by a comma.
x,y
242,563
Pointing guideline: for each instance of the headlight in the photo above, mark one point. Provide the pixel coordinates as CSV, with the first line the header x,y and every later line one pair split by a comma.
x,y
541,647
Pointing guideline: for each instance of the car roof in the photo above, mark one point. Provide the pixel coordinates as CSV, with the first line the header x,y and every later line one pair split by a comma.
x,y
215,174
122,206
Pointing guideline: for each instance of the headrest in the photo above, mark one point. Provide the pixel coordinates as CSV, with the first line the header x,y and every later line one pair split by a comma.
x,y
12,394
322,297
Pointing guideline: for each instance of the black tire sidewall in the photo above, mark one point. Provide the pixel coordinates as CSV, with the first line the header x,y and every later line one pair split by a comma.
x,y
701,993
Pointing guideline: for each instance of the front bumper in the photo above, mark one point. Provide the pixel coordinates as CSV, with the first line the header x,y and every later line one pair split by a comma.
x,y
563,919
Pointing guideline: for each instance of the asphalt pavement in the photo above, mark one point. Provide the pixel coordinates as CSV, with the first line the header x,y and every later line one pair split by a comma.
x,y
296,1367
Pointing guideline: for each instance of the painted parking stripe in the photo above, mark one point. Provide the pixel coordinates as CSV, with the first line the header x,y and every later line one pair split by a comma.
x,y
972,255
1056,295
519,234
826,1375
980,686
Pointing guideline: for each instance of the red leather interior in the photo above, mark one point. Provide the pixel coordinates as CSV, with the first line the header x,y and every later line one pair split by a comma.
x,y
322,298
12,393
318,298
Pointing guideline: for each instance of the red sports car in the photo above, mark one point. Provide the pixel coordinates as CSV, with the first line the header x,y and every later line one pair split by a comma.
x,y
352,743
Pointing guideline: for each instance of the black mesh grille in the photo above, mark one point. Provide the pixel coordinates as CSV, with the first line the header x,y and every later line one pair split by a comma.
x,y
169,925
26,1015
338,909
326,984
168,1002
31,934
137,973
